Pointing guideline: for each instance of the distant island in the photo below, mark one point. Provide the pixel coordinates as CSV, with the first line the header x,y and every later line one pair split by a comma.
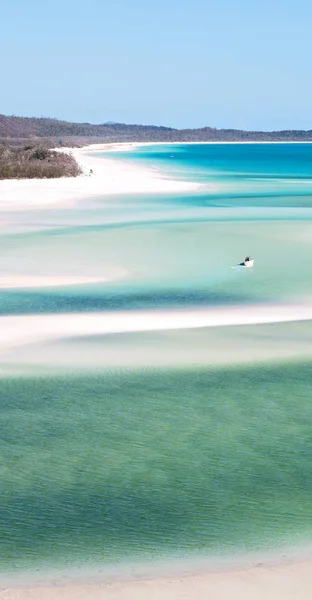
x,y
26,142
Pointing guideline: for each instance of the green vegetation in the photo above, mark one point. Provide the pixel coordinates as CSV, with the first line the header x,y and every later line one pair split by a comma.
x,y
35,163
52,132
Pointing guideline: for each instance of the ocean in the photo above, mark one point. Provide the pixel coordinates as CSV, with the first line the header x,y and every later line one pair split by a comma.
x,y
143,446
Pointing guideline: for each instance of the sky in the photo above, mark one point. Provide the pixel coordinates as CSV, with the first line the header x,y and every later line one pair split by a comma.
x,y
243,64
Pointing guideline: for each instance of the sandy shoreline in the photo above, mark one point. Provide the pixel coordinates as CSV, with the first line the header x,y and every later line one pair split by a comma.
x,y
270,581
128,146
110,177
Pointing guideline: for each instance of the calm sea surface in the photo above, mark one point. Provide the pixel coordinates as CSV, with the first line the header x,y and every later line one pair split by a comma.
x,y
136,446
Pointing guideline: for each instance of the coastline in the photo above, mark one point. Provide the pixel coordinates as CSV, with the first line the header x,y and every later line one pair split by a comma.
x,y
273,579
110,177
125,146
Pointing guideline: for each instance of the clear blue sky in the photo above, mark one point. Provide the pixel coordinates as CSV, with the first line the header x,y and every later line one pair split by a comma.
x,y
182,63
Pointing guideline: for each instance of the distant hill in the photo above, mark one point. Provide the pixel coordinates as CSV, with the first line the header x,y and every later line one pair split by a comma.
x,y
50,132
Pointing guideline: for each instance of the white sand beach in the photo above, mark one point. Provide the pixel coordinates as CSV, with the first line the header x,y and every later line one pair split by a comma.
x,y
109,177
42,281
272,582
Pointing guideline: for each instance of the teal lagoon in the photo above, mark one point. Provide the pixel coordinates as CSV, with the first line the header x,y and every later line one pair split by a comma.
x,y
137,447
98,469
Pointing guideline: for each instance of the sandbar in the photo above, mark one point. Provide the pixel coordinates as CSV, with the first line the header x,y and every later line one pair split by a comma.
x,y
42,281
20,330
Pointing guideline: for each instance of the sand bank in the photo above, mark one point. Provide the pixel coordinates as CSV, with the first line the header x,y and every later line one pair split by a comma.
x,y
279,582
19,330
209,347
109,177
38,281
128,146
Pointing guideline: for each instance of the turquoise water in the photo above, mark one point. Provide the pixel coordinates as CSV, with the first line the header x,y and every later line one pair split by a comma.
x,y
281,171
136,446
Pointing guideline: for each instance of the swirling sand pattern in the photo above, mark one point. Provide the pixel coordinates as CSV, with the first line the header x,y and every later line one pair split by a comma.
x,y
156,402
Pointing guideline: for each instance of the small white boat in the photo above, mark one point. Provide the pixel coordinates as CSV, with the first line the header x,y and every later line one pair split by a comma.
x,y
248,262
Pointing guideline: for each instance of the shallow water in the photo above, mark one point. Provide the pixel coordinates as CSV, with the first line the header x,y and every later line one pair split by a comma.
x,y
172,443
247,170
144,464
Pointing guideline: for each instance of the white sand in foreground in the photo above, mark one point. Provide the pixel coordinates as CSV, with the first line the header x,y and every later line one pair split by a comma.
x,y
110,177
291,582
19,330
